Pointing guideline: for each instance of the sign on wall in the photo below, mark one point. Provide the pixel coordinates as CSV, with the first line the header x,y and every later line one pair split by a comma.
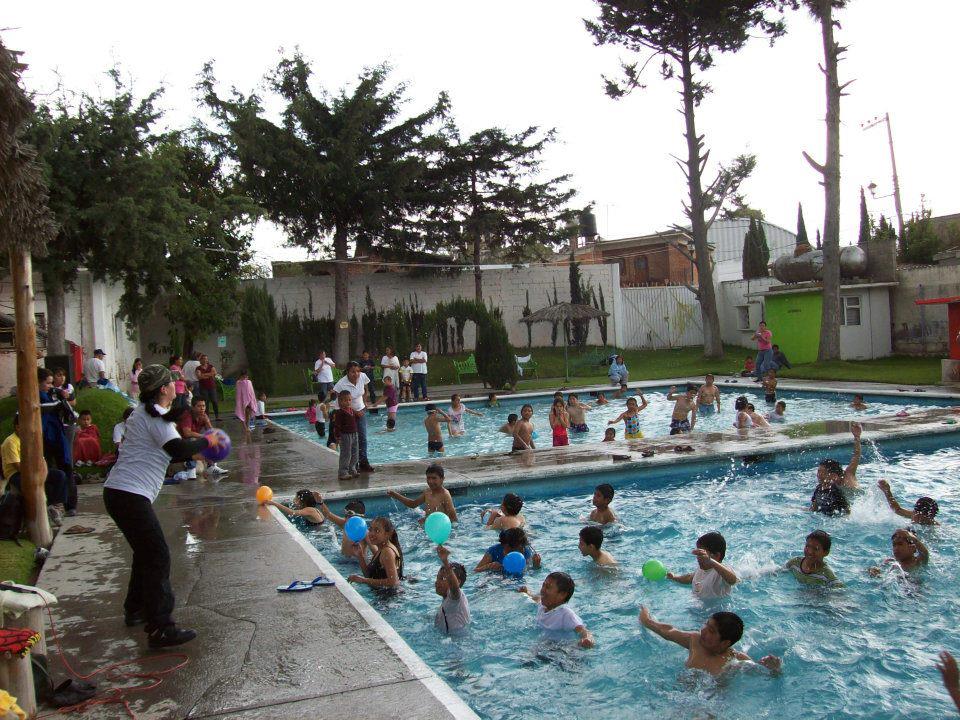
x,y
222,341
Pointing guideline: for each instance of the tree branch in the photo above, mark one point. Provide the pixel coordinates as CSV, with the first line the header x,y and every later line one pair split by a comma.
x,y
814,164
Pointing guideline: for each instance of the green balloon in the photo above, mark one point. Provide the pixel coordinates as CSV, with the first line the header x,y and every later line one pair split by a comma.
x,y
437,527
654,570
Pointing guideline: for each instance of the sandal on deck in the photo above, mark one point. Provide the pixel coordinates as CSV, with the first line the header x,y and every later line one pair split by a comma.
x,y
322,581
295,586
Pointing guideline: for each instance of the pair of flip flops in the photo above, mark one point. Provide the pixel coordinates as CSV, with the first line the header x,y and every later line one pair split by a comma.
x,y
683,448
301,586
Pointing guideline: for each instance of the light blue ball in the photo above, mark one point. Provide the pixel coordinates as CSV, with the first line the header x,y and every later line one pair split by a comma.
x,y
356,528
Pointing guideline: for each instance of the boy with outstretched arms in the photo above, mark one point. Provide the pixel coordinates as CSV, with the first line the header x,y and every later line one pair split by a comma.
x,y
711,579
436,498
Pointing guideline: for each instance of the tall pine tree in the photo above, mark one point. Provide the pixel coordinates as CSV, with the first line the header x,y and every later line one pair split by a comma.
x,y
865,225
802,239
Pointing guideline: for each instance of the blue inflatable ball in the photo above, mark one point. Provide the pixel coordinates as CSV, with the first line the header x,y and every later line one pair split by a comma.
x,y
534,435
356,528
514,563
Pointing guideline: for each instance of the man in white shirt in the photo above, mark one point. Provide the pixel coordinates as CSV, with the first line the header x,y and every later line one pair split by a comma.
x,y
95,370
356,383
323,369
418,362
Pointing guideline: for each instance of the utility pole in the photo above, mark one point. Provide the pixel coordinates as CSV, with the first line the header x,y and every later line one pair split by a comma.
x,y
893,164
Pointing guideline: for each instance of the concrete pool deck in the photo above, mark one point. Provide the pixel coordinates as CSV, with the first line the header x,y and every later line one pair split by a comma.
x,y
325,653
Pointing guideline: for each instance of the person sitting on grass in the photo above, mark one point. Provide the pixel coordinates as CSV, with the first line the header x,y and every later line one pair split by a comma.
x,y
618,373
507,515
86,445
924,510
602,497
454,612
811,568
553,613
749,367
385,567
55,485
436,498
304,505
591,539
909,553
513,540
710,649
711,579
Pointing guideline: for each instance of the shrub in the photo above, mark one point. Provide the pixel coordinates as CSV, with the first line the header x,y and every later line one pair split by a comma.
x,y
496,363
261,336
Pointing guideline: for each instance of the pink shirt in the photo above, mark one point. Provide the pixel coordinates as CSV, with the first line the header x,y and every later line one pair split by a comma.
x,y
763,342
179,385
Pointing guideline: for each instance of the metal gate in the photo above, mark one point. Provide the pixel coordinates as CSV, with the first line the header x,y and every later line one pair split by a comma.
x,y
661,317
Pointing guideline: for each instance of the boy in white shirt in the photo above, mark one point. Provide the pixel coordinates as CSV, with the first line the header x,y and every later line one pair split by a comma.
x,y
454,612
712,579
552,610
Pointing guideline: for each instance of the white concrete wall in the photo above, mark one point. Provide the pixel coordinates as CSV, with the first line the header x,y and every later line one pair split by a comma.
x,y
871,338
661,317
922,329
733,294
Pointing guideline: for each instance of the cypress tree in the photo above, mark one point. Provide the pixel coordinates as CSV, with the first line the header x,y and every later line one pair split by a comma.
x,y
802,238
261,336
864,236
763,251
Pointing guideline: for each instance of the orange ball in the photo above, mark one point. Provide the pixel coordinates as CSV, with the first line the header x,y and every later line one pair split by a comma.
x,y
264,494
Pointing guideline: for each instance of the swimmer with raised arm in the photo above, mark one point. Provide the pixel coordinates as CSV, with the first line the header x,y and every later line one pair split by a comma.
x,y
631,418
684,415
909,553
436,498
924,510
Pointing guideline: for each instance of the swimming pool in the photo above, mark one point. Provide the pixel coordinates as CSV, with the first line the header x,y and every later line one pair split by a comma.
x,y
409,442
866,650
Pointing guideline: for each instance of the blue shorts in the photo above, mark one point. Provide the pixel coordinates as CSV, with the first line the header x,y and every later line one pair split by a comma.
x,y
707,409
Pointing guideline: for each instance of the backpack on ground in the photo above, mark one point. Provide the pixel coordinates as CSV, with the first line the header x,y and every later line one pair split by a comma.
x,y
12,515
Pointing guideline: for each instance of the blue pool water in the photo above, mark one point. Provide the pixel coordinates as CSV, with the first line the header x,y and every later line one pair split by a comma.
x,y
866,650
409,442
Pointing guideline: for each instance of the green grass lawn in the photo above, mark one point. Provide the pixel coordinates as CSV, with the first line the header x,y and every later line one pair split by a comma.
x,y
106,407
16,561
899,370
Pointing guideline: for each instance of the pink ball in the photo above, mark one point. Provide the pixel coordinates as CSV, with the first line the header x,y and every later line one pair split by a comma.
x,y
219,451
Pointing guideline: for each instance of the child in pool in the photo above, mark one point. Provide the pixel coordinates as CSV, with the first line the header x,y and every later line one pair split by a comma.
x,y
457,410
552,610
631,418
432,424
392,401
770,387
559,422
711,579
385,567
858,403
827,497
756,418
743,420
909,553
576,411
601,400
708,397
507,516
591,538
602,497
512,540
510,425
684,415
454,611
304,505
317,416
406,380
779,413
492,401
523,432
436,498
924,510
811,568
609,435
355,507
711,648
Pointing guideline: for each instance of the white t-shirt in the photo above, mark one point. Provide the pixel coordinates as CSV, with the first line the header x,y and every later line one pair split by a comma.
x,y
392,370
560,618
709,584
118,430
143,463
418,361
92,367
190,370
324,370
356,391
453,615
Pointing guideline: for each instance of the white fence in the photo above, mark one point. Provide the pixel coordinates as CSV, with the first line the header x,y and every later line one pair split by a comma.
x,y
660,317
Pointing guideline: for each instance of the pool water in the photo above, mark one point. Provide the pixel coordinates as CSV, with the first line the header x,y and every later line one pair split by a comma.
x,y
866,650
409,442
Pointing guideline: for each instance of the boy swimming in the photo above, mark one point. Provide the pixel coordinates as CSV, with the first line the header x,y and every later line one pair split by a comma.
x,y
711,579
552,610
609,435
512,540
348,547
454,611
510,425
711,648
827,497
924,510
779,413
811,568
845,478
602,497
631,418
909,552
684,415
708,396
434,436
576,411
523,432
591,538
858,403
507,515
436,498
770,387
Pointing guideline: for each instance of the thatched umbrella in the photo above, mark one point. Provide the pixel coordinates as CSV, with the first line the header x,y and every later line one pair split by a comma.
x,y
565,313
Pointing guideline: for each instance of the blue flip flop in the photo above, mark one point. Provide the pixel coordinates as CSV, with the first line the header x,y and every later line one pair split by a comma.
x,y
322,581
295,586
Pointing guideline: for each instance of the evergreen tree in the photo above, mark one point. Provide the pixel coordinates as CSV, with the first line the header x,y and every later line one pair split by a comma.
x,y
865,224
686,34
756,255
261,336
919,242
884,230
801,228
763,251
819,243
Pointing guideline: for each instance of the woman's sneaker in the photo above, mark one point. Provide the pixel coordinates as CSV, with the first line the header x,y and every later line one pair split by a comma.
x,y
217,470
170,635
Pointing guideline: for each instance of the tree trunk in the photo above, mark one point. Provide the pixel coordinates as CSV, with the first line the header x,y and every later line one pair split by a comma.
x,y
830,321
55,294
341,307
33,468
712,340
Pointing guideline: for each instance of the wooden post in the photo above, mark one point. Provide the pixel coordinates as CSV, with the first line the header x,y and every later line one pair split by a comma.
x,y
33,468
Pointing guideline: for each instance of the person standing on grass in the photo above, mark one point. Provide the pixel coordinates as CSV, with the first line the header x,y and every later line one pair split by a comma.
x,y
367,367
764,359
323,369
418,361
206,375
356,383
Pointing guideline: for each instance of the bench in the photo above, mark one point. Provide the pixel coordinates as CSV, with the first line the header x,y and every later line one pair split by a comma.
x,y
465,367
527,365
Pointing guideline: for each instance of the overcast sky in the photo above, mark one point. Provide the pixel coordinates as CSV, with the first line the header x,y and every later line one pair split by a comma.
x,y
517,63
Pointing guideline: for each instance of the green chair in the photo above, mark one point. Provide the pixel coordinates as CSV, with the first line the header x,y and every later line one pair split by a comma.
x,y
527,366
465,367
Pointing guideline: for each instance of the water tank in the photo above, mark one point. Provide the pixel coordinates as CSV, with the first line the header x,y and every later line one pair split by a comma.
x,y
853,262
808,266
588,224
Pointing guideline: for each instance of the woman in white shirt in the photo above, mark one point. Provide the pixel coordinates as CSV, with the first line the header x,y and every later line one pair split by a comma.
x,y
418,361
391,366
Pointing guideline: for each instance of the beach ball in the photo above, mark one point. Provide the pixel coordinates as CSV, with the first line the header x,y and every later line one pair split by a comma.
x,y
437,527
356,528
514,563
219,451
264,494
654,570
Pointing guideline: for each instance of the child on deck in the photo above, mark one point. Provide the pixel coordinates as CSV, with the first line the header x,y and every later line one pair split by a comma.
x,y
454,611
711,649
246,407
523,432
392,401
909,553
86,445
577,411
355,507
749,366
811,568
924,510
406,380
602,497
711,579
317,416
262,410
507,516
304,505
684,416
331,405
435,498
591,538
559,422
345,423
457,410
779,413
434,436
631,418
609,435
552,610
512,540
770,387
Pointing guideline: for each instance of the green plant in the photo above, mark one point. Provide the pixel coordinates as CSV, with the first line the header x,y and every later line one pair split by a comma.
x,y
496,362
261,335
919,242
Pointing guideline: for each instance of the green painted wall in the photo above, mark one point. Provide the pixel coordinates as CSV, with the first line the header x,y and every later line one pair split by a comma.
x,y
794,320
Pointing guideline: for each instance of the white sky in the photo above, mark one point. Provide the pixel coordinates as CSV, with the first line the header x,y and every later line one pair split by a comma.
x,y
513,64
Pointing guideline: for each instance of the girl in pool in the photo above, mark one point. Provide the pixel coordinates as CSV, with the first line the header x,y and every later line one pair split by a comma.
x,y
909,553
385,568
304,505
631,418
559,422
457,409
743,420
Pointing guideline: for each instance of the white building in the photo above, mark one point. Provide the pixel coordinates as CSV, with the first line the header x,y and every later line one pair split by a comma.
x,y
726,239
